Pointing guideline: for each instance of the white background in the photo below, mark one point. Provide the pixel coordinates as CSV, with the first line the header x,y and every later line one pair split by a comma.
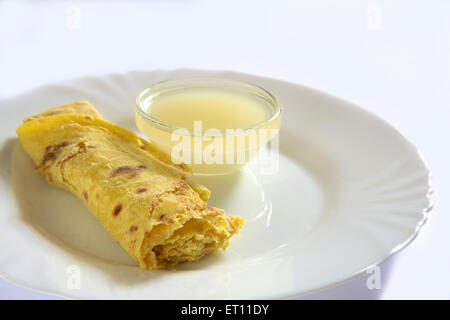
x,y
391,57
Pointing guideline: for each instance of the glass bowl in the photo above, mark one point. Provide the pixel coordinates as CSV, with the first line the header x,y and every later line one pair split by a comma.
x,y
213,125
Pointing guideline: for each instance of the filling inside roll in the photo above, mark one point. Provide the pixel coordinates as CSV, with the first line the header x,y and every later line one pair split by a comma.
x,y
189,243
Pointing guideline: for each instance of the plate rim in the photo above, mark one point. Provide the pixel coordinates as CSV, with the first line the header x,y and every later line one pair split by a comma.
x,y
289,295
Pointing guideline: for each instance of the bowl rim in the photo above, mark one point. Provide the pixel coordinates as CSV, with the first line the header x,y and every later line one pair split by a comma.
x,y
170,127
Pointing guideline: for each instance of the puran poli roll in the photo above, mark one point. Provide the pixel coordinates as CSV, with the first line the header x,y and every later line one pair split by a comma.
x,y
141,198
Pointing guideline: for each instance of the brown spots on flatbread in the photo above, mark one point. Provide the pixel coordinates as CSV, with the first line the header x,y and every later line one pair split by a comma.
x,y
143,147
91,147
157,249
97,196
117,209
85,195
51,153
165,218
133,229
49,177
141,190
129,171
133,244
88,117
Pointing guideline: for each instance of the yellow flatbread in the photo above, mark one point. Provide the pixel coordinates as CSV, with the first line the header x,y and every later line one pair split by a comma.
x,y
133,189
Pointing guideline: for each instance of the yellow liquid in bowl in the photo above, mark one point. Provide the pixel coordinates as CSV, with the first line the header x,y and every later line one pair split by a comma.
x,y
216,108
208,115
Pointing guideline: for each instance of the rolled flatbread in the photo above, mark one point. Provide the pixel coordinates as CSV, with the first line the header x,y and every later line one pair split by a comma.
x,y
135,191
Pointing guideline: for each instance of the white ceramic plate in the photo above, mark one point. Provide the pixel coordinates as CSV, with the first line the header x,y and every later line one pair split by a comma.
x,y
350,191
